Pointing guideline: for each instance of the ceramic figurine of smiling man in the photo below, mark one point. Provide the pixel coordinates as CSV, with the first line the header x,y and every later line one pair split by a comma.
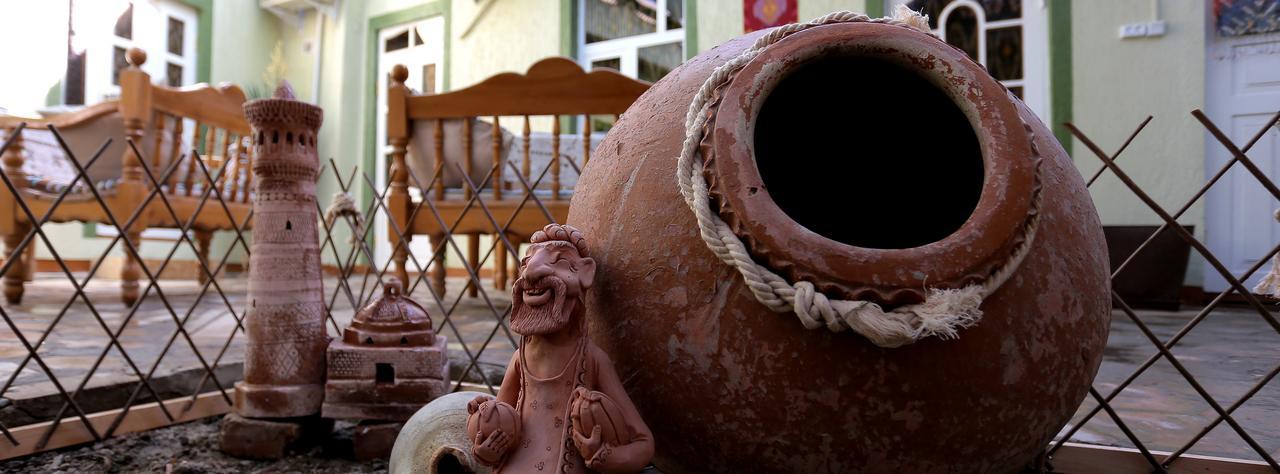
x,y
561,407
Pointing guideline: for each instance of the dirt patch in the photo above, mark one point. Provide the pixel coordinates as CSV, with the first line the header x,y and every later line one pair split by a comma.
x,y
192,448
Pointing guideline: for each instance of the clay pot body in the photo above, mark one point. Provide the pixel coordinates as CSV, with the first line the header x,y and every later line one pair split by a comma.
x,y
730,386
435,440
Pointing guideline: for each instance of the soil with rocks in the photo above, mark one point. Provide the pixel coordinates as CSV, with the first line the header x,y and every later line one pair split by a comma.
x,y
192,448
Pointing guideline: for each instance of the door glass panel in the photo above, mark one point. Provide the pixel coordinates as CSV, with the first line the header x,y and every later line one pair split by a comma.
x,y
397,42
429,79
657,61
176,35
124,23
611,19
173,74
1004,53
118,64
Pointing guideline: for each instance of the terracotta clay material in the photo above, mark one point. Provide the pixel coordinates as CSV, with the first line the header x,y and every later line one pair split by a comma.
x,y
388,364
284,365
534,424
374,440
874,161
252,438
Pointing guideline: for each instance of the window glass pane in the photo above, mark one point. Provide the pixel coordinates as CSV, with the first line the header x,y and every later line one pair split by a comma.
x,y
675,14
1002,9
397,42
610,19
614,63
173,75
1016,91
417,39
124,24
176,35
657,61
118,63
962,30
1004,53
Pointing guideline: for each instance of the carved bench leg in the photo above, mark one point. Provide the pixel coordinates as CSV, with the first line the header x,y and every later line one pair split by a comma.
x,y
499,264
131,272
29,262
400,255
16,276
203,239
473,259
437,265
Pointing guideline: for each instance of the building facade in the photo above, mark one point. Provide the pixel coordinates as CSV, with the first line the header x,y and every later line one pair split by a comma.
x,y
1100,64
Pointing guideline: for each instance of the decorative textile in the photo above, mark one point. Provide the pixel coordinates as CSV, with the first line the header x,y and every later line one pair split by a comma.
x,y
1246,17
1270,284
761,14
944,311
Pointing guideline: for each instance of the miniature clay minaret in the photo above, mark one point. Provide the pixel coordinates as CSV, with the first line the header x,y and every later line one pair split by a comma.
x,y
277,406
284,364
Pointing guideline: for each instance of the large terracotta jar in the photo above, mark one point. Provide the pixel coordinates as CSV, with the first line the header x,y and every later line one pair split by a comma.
x,y
874,161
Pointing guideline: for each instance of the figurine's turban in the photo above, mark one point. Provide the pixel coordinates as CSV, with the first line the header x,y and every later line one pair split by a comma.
x,y
562,233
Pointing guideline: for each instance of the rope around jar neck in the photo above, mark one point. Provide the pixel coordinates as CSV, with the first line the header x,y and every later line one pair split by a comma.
x,y
944,311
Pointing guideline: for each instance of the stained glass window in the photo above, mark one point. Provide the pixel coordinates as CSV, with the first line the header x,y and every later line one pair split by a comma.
x,y
993,36
177,35
962,30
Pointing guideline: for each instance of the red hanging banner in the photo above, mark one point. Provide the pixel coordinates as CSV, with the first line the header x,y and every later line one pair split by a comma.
x,y
761,14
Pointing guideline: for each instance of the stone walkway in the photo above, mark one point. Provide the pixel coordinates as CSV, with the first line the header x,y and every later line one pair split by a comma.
x,y
1230,351
78,340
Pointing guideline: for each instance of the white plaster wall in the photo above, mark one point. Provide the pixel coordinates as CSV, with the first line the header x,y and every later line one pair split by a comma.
x,y
510,36
1118,83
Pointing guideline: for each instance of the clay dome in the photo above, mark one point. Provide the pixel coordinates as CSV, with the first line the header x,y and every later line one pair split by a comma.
x,y
391,320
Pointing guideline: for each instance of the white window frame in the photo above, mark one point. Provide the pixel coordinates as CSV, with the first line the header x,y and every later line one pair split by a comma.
x,y
1035,46
626,49
150,33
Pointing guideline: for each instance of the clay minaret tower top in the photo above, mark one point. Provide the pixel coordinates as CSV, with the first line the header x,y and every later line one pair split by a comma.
x,y
284,363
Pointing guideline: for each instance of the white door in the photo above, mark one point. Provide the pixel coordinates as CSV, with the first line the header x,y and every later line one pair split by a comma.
x,y
1243,92
419,45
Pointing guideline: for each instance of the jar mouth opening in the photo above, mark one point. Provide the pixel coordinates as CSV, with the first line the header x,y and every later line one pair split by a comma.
x,y
869,135
871,160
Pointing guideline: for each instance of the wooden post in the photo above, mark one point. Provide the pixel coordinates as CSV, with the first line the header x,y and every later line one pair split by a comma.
x,y
398,201
135,110
15,228
555,158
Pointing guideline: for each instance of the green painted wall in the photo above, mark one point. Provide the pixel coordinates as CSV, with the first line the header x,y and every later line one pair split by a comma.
x,y
1118,82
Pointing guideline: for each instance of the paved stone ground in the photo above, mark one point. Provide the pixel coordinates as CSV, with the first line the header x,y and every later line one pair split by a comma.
x,y
1231,351
78,339
1228,353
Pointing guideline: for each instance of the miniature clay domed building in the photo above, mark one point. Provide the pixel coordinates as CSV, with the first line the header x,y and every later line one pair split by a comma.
x,y
389,362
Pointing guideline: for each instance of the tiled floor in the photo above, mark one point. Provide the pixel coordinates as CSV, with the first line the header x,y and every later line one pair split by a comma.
x,y
1228,353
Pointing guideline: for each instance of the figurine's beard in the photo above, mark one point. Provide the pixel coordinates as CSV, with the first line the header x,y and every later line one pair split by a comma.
x,y
546,318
